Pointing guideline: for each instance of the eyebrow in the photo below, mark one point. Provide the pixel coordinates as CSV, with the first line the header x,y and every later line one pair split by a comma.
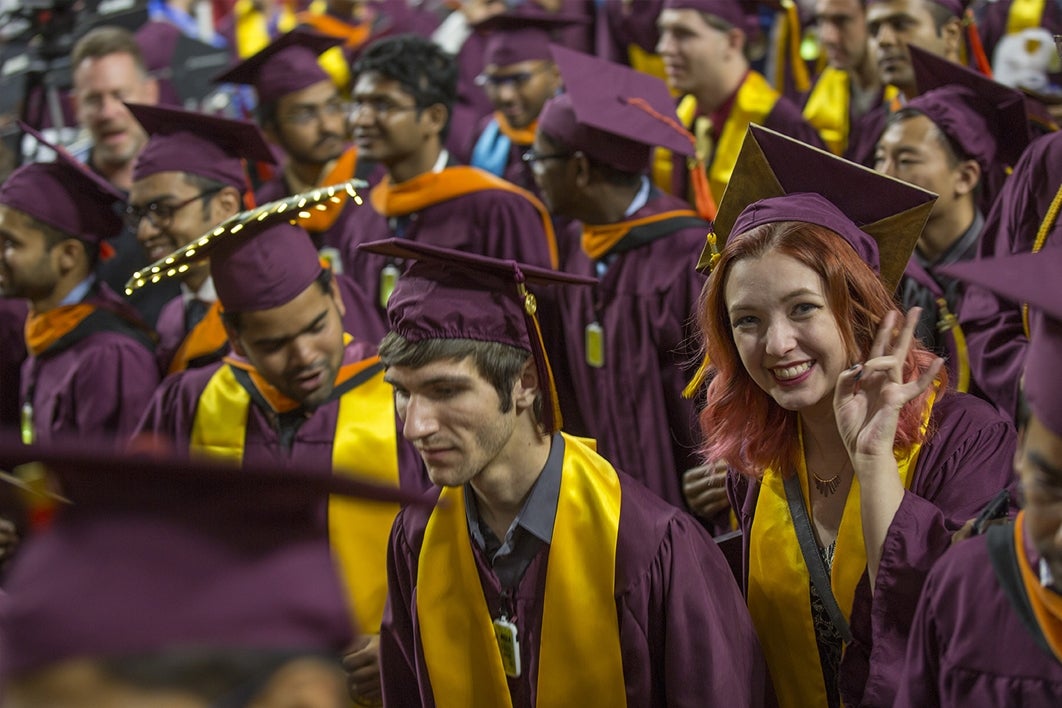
x,y
434,381
269,341
799,292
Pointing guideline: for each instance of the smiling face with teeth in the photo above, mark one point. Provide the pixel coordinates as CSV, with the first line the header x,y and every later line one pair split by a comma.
x,y
785,332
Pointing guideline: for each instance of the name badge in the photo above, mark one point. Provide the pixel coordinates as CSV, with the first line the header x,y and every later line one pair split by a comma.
x,y
388,277
595,345
508,646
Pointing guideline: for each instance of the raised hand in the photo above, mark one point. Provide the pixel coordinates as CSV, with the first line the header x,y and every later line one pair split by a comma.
x,y
869,396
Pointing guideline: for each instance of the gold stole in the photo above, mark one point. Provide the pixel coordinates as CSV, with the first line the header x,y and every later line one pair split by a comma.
x,y
365,444
1046,604
827,108
431,188
600,239
1024,14
779,583
754,102
334,60
252,27
646,62
579,656
207,337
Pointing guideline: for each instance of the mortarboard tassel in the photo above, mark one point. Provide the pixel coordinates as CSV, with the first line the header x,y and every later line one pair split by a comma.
x,y
976,47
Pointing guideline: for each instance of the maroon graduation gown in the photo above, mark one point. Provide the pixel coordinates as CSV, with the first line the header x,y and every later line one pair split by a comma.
x,y
686,637
492,222
98,385
993,326
12,353
172,410
633,404
969,646
966,462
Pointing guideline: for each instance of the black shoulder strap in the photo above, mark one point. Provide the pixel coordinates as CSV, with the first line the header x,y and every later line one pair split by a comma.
x,y
642,235
100,320
812,558
1004,559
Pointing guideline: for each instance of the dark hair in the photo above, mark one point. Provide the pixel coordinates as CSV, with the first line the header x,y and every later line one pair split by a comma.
x,y
500,364
424,70
324,280
104,41
206,184
53,237
940,14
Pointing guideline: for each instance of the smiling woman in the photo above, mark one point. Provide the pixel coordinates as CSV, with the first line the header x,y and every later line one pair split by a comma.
x,y
851,461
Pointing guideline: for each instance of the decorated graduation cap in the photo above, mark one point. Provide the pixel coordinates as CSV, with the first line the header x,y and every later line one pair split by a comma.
x,y
199,144
158,552
984,118
287,65
448,294
65,195
1031,279
777,178
522,34
260,258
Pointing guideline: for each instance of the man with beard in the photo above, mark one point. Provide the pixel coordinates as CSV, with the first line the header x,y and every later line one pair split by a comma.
x,y
302,112
298,390
90,369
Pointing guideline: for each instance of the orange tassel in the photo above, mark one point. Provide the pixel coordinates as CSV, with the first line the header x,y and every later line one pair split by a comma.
x,y
248,195
703,200
976,47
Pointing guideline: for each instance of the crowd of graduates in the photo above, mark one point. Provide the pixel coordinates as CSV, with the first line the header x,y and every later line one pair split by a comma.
x,y
548,352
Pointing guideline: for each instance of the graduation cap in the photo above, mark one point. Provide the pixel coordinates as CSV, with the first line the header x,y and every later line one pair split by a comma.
x,y
259,258
732,11
64,194
287,65
612,113
160,552
199,144
522,34
1030,279
777,178
984,118
448,294
955,7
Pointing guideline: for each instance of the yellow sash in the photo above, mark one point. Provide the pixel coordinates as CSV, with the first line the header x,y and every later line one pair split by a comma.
x,y
646,62
827,108
365,431
579,657
252,27
754,102
1024,14
779,583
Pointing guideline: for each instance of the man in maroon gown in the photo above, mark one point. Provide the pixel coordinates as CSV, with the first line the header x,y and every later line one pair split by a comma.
x,y
1024,220
599,593
401,114
987,627
91,367
628,338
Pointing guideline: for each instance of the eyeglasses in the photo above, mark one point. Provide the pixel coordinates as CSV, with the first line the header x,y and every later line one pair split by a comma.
x,y
516,81
160,215
531,157
379,107
304,115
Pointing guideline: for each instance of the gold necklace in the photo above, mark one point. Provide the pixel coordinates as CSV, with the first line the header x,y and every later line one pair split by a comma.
x,y
826,487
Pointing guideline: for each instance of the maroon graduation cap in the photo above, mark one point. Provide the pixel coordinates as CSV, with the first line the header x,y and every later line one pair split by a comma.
x,y
733,11
64,194
984,118
160,552
287,65
522,34
777,178
612,113
199,144
448,294
1032,279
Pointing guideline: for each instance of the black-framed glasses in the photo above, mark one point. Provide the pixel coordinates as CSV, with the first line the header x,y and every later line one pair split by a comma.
x,y
306,114
379,107
160,215
517,80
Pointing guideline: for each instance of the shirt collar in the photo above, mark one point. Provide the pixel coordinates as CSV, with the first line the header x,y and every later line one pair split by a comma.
x,y
206,292
79,291
640,199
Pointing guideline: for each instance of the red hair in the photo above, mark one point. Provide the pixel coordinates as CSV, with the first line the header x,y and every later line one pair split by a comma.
x,y
741,423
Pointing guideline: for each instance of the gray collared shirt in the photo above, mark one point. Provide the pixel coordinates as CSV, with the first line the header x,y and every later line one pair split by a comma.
x,y
532,527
